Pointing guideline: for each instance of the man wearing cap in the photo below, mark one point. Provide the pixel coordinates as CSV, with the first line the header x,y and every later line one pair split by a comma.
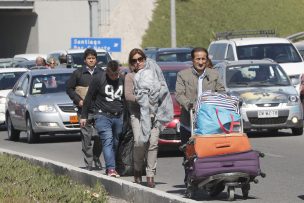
x,y
106,94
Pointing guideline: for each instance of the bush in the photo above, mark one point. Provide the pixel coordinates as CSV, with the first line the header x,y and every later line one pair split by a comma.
x,y
197,21
22,182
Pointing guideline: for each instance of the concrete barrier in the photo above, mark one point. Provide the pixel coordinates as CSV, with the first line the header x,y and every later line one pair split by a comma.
x,y
116,187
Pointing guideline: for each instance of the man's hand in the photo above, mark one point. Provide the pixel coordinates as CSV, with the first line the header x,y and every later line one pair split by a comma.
x,y
80,103
83,122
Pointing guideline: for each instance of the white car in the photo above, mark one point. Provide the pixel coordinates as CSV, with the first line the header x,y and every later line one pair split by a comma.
x,y
300,47
8,78
235,46
26,60
75,57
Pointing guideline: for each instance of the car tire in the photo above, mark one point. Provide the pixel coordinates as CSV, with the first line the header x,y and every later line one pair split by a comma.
x,y
297,131
32,137
12,133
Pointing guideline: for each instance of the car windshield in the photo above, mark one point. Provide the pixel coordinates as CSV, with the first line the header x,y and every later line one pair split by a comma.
x,y
281,53
8,80
51,83
78,61
256,75
170,77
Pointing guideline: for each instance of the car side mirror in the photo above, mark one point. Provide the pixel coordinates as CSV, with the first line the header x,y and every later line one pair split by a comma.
x,y
20,93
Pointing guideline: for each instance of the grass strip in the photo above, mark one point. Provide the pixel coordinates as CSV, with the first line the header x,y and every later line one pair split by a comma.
x,y
23,182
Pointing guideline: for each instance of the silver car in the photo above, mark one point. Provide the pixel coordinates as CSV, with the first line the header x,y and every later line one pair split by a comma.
x,y
38,104
270,101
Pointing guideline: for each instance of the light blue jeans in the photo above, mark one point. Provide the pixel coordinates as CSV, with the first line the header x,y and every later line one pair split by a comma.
x,y
109,129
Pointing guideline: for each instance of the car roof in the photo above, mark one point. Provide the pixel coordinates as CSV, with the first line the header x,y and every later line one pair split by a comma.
x,y
71,51
8,70
247,62
29,56
255,40
175,49
166,66
5,59
50,71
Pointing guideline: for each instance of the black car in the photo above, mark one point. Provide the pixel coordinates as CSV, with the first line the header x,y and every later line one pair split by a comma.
x,y
169,54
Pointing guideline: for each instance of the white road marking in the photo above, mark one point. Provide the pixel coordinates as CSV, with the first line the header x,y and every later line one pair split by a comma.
x,y
274,155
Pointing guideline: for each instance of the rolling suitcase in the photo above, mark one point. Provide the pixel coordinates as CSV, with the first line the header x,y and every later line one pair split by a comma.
x,y
217,144
245,162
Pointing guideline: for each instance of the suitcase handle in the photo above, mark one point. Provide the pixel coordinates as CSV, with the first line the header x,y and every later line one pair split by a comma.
x,y
227,164
223,145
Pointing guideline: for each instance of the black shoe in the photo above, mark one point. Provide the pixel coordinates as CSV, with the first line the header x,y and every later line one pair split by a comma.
x,y
97,164
89,168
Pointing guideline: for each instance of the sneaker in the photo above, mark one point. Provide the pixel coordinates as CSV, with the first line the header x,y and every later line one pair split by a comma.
x,y
112,173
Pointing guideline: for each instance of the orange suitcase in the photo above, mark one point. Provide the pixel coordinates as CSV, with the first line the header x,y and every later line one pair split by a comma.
x,y
217,144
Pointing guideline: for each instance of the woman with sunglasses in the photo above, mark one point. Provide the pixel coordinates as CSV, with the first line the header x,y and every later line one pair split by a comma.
x,y
150,106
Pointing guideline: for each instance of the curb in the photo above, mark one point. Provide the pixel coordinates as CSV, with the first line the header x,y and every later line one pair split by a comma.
x,y
131,192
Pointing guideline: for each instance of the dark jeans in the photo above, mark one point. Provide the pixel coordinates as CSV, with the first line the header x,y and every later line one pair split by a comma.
x,y
109,129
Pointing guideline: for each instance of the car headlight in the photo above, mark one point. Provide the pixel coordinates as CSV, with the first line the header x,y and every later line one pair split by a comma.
x,y
45,108
293,100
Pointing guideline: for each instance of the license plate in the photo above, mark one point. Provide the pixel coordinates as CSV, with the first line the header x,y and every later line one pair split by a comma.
x,y
73,119
268,114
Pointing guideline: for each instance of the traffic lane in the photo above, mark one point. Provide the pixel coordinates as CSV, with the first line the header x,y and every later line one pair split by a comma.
x,y
62,148
282,165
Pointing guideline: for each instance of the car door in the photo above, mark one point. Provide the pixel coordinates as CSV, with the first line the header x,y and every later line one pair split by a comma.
x,y
11,101
19,103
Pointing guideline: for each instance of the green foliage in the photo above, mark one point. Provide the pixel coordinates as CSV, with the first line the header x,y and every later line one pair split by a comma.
x,y
22,182
197,21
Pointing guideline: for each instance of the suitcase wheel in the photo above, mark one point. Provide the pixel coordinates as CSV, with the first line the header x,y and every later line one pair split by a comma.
x,y
231,192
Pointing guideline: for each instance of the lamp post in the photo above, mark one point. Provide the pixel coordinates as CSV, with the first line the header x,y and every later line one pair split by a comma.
x,y
173,24
93,4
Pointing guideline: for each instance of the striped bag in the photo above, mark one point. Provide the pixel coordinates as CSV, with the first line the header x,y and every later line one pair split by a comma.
x,y
221,102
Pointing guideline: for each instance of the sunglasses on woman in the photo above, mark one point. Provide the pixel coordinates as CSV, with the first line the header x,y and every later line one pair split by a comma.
x,y
140,59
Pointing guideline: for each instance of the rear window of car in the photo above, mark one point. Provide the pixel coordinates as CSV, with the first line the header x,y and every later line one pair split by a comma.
x,y
8,80
52,83
174,57
281,53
